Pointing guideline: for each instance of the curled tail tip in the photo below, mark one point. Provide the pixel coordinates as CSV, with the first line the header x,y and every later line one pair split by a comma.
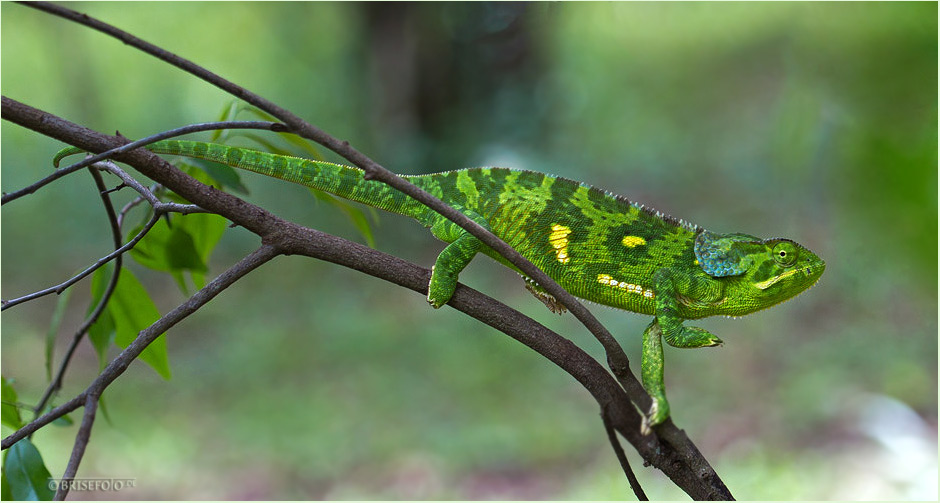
x,y
65,152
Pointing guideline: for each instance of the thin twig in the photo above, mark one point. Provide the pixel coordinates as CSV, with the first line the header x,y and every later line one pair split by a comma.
x,y
193,128
622,457
113,219
146,193
90,269
122,361
160,208
34,425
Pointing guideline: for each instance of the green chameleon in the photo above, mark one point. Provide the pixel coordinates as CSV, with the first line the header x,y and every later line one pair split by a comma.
x,y
596,245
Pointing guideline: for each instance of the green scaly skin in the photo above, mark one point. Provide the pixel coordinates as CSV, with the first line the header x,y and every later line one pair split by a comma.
x,y
598,246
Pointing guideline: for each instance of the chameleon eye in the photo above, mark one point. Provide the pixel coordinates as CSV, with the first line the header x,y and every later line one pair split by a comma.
x,y
785,253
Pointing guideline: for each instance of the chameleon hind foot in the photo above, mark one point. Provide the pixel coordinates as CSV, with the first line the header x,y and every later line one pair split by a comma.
x,y
546,298
658,413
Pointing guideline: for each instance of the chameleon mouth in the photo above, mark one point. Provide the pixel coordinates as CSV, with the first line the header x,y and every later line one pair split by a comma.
x,y
815,270
763,285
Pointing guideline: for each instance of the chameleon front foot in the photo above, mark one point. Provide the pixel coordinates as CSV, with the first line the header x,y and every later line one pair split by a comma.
x,y
455,256
691,338
441,288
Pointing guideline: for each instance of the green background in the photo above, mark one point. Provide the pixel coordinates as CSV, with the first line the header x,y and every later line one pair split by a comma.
x,y
305,380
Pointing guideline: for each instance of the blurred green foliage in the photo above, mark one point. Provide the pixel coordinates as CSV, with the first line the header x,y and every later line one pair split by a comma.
x,y
816,121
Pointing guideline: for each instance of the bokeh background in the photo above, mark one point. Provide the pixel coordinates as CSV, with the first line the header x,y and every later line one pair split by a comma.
x,y
815,121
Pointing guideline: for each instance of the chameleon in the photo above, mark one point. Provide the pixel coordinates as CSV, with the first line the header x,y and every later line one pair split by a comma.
x,y
598,246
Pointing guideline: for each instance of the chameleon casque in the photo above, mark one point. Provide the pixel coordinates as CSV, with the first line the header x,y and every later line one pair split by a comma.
x,y
596,245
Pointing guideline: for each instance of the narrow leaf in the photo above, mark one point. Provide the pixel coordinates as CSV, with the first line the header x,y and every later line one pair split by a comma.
x,y
354,213
215,174
63,420
102,406
305,145
26,473
9,412
229,111
267,146
101,332
54,325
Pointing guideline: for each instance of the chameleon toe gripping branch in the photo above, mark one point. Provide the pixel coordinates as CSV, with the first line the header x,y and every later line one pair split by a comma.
x,y
598,246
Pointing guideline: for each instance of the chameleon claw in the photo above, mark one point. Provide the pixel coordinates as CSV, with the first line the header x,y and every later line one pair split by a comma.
x,y
655,416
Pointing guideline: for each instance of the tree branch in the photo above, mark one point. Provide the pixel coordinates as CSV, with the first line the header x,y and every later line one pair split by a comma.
x,y
81,442
700,483
57,289
88,161
622,458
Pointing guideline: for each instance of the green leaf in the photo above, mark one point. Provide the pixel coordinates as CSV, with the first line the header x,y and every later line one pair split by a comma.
x,y
54,325
104,410
9,411
101,332
5,493
214,173
26,474
292,138
206,230
151,250
168,249
63,420
229,111
199,280
355,214
267,146
133,311
181,251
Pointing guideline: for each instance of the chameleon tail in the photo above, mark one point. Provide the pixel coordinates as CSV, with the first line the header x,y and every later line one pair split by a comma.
x,y
344,181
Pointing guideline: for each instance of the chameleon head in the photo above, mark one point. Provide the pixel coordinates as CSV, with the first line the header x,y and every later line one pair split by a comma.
x,y
758,273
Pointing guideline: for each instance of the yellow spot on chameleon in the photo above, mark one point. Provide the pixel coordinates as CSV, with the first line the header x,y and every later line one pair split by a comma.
x,y
631,241
559,241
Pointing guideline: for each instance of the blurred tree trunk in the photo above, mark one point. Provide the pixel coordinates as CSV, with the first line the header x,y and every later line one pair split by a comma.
x,y
433,64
